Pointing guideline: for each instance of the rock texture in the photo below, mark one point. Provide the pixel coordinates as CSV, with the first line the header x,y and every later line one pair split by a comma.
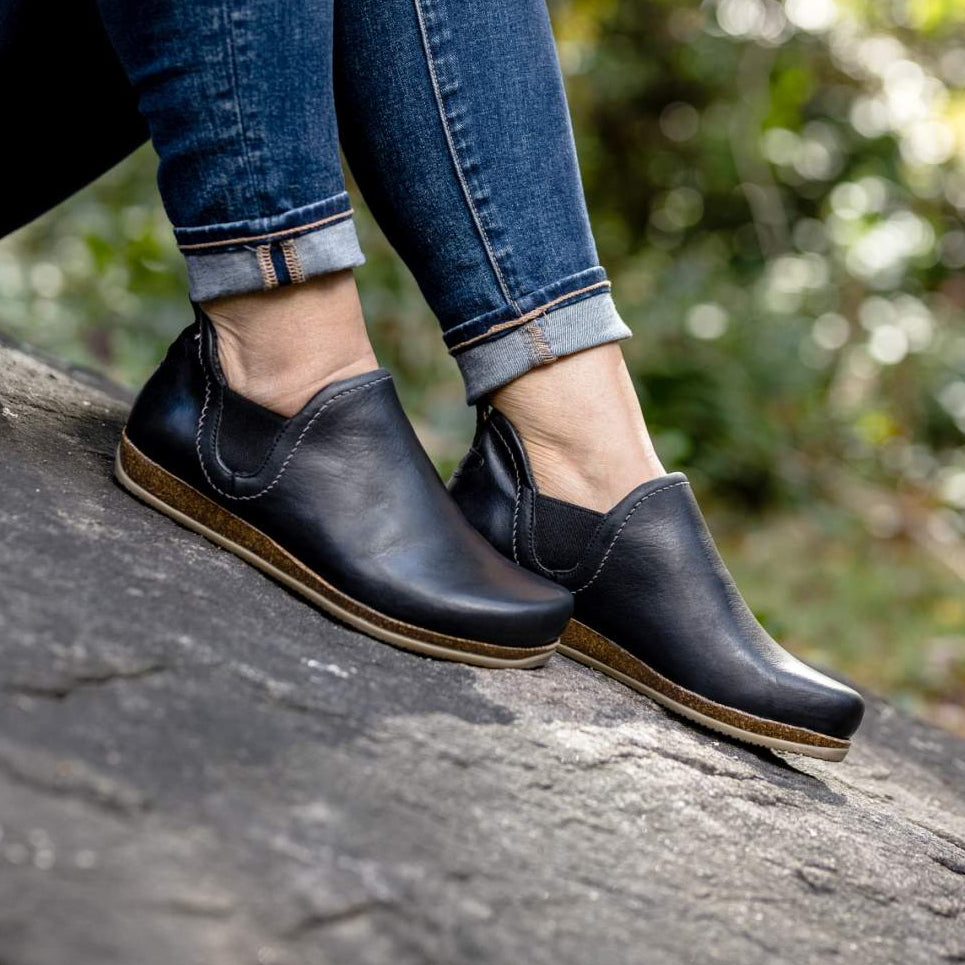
x,y
196,767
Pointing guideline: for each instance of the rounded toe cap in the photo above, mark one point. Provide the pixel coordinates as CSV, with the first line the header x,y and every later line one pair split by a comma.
x,y
821,703
844,712
528,612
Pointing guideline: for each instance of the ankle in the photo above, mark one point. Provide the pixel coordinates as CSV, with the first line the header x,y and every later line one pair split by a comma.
x,y
280,348
581,424
280,380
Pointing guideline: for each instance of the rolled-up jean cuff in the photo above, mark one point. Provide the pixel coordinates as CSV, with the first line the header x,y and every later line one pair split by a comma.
x,y
571,328
234,259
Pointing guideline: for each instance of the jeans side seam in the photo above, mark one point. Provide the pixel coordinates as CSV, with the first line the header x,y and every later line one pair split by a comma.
x,y
292,261
522,319
540,350
454,155
236,85
269,276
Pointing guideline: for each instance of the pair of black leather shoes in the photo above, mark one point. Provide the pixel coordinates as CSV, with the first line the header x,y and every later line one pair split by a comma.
x,y
341,504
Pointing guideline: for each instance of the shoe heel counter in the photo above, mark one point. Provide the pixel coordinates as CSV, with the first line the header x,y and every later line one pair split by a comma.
x,y
486,489
163,423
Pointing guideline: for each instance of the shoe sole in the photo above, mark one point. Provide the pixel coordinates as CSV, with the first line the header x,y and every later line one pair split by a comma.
x,y
587,646
164,492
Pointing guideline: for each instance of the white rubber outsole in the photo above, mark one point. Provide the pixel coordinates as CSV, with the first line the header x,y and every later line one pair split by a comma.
x,y
352,619
773,743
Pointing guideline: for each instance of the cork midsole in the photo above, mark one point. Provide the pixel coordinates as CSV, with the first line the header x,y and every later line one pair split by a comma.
x,y
582,643
163,491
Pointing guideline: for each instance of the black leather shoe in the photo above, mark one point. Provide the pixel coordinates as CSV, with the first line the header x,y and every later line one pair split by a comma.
x,y
340,503
655,605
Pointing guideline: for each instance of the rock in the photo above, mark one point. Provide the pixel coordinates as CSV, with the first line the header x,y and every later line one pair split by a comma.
x,y
197,767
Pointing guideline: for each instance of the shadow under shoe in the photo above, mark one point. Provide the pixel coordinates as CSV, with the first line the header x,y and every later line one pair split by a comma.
x,y
655,606
340,503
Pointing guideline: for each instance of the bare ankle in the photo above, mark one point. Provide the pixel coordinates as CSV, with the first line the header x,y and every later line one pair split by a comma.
x,y
280,348
581,424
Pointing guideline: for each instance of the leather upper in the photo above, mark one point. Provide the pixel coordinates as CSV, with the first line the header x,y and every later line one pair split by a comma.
x,y
346,487
651,580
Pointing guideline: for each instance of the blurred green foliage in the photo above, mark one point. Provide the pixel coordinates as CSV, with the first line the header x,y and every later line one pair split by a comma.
x,y
777,191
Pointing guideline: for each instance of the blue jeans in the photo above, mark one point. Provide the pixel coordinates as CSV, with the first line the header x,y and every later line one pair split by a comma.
x,y
453,119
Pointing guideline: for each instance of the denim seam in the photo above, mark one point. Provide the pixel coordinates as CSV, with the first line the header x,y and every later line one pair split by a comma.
x,y
558,284
269,277
270,235
454,155
535,313
236,87
540,350
292,262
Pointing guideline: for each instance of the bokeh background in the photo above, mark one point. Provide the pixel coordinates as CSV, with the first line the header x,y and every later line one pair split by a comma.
x,y
778,193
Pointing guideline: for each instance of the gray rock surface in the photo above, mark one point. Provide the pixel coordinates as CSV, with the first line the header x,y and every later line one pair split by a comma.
x,y
196,767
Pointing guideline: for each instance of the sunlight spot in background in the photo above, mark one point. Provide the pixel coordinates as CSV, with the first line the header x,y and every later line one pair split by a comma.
x,y
888,344
677,209
707,321
46,279
780,146
855,199
814,16
951,486
819,158
739,18
679,121
880,255
952,399
809,234
831,331
951,65
928,142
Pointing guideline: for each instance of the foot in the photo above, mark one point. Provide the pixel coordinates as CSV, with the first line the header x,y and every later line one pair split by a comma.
x,y
280,348
338,502
654,604
580,421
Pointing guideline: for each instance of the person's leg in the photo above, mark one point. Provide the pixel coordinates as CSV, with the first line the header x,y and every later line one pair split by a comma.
x,y
455,124
279,348
583,427
238,98
267,427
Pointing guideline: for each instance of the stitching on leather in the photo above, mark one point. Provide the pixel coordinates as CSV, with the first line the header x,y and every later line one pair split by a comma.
x,y
623,525
519,488
298,441
215,447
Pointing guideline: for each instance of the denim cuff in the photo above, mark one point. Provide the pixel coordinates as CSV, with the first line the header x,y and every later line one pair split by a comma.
x,y
571,327
265,253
